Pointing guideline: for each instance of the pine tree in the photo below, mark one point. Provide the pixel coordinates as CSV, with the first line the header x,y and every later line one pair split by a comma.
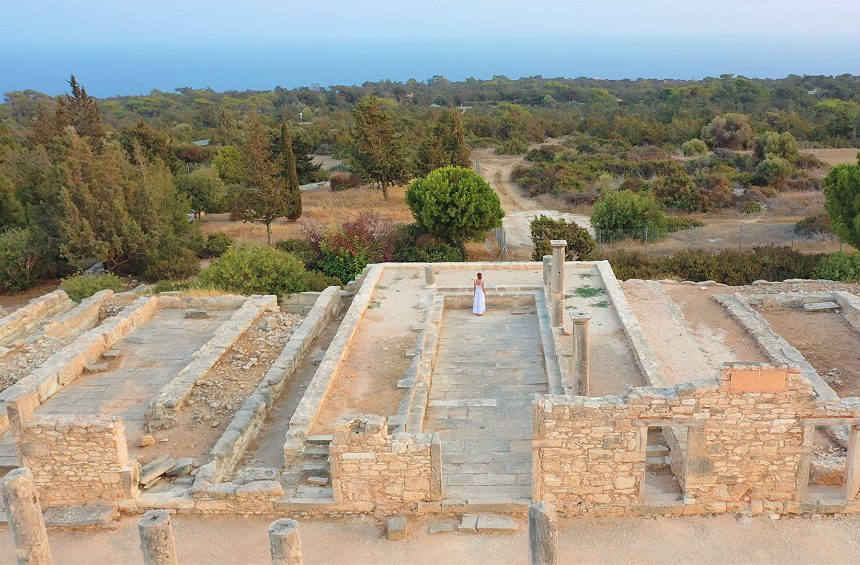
x,y
431,154
290,177
11,211
461,155
77,110
378,155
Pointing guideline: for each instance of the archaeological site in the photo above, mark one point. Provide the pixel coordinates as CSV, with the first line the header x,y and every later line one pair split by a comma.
x,y
391,399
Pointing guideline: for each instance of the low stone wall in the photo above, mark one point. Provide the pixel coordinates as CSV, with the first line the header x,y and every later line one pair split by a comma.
x,y
82,318
78,460
64,366
248,420
27,317
312,399
299,303
161,412
174,300
416,378
368,465
747,442
850,305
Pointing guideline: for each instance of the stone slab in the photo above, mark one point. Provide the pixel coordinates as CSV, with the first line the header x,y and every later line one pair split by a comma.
x,y
442,528
196,313
496,524
468,525
79,516
820,307
397,528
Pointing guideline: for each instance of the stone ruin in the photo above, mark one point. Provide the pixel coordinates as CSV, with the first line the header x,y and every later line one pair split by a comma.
x,y
559,403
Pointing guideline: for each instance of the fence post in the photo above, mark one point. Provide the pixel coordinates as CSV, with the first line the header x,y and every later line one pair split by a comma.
x,y
646,242
600,244
692,235
792,240
740,237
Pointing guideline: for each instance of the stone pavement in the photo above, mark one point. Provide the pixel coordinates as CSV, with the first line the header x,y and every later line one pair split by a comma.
x,y
487,371
150,356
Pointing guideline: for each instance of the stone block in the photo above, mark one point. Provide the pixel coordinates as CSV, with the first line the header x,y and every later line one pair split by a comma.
x,y
156,468
820,307
195,313
182,467
468,525
260,490
111,354
496,524
318,481
442,528
79,516
397,528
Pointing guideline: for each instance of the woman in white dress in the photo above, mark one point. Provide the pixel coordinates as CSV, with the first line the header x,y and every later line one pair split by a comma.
x,y
480,302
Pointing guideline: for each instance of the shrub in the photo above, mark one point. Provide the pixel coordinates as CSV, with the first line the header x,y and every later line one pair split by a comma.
x,y
543,153
257,269
343,250
773,171
580,246
182,263
340,182
512,146
582,199
804,181
772,145
301,248
694,148
675,223
809,161
625,210
455,204
414,246
84,286
751,208
839,266
21,259
730,130
813,225
217,244
678,191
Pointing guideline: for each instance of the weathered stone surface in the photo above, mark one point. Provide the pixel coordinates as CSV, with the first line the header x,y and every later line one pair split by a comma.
x,y
397,528
79,516
96,367
182,467
820,307
442,528
468,524
260,490
111,354
145,441
827,473
155,469
194,313
318,481
496,524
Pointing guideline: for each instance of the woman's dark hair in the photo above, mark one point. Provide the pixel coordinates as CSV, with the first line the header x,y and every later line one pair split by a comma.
x,y
479,276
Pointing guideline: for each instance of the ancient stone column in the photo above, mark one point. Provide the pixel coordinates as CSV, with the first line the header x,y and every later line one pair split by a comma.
x,y
579,361
284,542
543,534
25,518
429,275
556,300
156,538
547,268
19,408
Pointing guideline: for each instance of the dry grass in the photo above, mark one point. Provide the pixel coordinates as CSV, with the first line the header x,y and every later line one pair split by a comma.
x,y
834,156
318,207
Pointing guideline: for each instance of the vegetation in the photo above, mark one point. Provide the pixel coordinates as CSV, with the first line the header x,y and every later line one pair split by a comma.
x,y
628,214
378,154
580,246
84,286
839,266
842,194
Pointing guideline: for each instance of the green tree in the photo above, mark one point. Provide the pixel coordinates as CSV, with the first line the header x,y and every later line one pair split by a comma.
x,y
378,152
731,131
694,148
77,110
842,201
205,189
455,204
771,145
624,210
264,197
11,211
544,229
455,143
230,166
289,175
142,140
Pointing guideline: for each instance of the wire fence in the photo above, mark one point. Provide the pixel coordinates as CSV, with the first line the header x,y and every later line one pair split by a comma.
x,y
715,238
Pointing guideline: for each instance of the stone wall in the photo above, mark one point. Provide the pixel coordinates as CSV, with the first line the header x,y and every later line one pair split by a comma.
x,y
369,465
746,439
78,460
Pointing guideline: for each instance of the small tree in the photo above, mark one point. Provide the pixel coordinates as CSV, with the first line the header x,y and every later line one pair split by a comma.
x,y
378,153
771,145
694,148
290,177
544,229
455,204
205,188
625,210
729,130
842,201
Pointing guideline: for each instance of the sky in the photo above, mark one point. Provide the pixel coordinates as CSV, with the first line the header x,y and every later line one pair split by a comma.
x,y
124,47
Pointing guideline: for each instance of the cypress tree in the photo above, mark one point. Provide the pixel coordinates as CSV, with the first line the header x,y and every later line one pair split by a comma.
x,y
293,197
461,155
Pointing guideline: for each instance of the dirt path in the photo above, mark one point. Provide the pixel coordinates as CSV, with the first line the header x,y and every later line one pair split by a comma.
x,y
358,541
519,209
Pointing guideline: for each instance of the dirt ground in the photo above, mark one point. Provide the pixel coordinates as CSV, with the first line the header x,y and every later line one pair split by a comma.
x,y
826,340
721,336
366,381
714,540
835,156
14,300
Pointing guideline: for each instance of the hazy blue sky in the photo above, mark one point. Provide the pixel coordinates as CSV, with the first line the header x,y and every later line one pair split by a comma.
x,y
125,47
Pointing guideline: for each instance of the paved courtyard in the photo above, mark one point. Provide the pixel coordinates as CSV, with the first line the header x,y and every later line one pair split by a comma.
x,y
150,356
487,371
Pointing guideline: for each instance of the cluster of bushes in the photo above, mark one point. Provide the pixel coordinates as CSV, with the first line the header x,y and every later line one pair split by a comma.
x,y
580,246
814,224
84,286
344,181
839,266
728,266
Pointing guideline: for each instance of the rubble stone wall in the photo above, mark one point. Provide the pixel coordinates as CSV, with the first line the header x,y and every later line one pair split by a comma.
x,y
369,465
744,439
78,460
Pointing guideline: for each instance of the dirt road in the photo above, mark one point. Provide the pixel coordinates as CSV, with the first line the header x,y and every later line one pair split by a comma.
x,y
519,209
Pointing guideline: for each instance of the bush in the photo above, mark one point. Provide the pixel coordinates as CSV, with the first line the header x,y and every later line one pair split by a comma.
x,y
678,191
182,263
217,244
625,210
512,147
751,208
803,181
772,145
21,259
257,269
344,250
301,248
730,130
839,266
675,223
84,286
580,246
813,225
340,182
455,204
414,246
773,171
694,148
809,161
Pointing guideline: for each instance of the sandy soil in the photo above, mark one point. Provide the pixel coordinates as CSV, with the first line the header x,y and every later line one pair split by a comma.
x,y
714,540
219,394
835,156
366,381
828,342
721,336
10,302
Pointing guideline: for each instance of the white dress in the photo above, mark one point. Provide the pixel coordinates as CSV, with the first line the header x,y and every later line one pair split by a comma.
x,y
480,303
